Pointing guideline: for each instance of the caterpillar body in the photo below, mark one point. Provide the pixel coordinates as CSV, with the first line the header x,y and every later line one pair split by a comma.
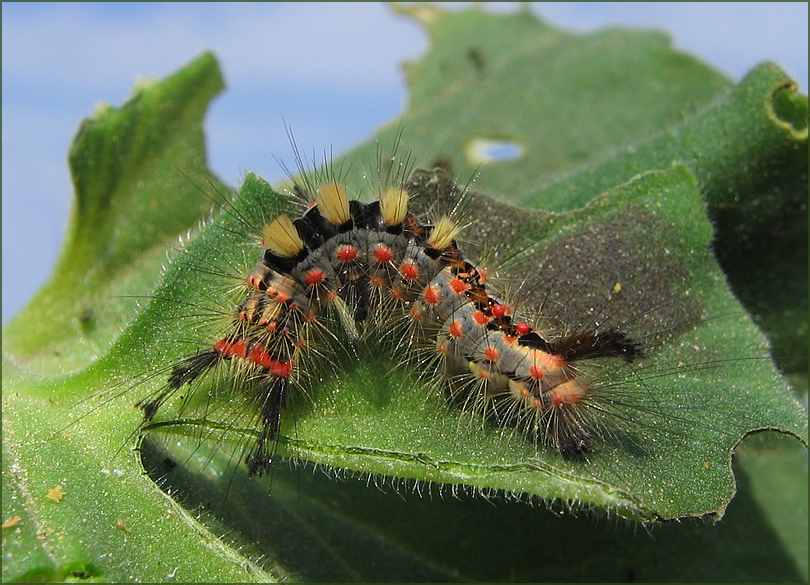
x,y
382,269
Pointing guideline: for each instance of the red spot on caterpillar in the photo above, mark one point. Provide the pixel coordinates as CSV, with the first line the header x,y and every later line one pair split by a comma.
x,y
281,368
491,354
431,295
346,254
409,271
228,349
569,393
498,310
315,277
543,363
283,297
382,254
257,354
455,330
458,286
480,318
524,391
523,328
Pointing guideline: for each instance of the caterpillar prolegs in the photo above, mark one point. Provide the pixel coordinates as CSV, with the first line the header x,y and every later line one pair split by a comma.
x,y
395,269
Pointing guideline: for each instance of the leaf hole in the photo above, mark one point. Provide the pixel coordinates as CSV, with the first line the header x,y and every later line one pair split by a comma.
x,y
790,108
489,149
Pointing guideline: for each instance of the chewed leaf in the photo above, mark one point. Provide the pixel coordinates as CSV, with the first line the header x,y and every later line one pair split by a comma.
x,y
635,262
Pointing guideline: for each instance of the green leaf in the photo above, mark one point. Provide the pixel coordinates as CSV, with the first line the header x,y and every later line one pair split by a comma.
x,y
638,106
395,427
136,171
140,178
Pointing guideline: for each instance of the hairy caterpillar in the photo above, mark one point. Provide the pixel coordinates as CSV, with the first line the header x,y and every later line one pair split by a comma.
x,y
352,258
536,344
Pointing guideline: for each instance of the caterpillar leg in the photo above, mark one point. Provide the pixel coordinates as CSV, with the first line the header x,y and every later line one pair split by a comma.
x,y
185,372
260,457
270,379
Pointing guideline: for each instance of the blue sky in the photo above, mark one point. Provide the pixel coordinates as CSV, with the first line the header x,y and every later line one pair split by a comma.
x,y
332,71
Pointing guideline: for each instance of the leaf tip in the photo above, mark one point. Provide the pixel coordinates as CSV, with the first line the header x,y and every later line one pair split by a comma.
x,y
788,108
425,14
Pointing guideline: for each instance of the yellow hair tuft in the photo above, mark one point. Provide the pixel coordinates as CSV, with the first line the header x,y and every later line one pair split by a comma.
x,y
443,234
333,203
281,237
394,206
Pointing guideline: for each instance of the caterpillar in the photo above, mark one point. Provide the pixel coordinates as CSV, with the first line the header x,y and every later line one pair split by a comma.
x,y
334,271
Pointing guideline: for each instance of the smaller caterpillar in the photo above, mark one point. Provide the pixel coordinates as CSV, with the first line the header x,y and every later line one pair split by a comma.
x,y
384,269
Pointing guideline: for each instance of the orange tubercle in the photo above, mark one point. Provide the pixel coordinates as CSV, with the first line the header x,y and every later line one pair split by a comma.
x,y
480,318
346,254
569,393
431,295
458,286
409,271
491,354
315,277
382,254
